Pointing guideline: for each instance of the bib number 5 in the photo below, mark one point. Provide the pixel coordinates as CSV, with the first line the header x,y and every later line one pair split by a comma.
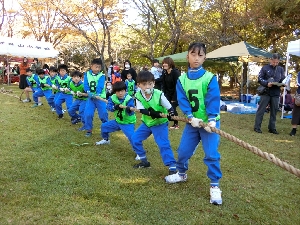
x,y
194,100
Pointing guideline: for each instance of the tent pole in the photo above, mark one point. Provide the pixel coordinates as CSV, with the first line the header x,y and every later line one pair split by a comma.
x,y
284,90
247,80
8,70
242,81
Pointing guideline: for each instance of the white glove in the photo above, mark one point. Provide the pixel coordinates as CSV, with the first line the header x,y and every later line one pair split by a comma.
x,y
54,87
195,122
210,124
78,93
61,89
67,89
72,92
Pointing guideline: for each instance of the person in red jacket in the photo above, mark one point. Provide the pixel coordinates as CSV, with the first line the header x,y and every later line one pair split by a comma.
x,y
115,76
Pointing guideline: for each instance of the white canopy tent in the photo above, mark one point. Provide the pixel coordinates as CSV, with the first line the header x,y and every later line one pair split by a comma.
x,y
26,48
16,47
292,49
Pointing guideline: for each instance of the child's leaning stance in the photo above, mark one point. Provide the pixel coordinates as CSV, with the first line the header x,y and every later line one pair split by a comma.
x,y
64,94
76,88
152,103
198,97
124,118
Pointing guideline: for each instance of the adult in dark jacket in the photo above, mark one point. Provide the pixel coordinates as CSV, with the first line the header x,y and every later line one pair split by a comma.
x,y
296,111
128,69
169,80
267,75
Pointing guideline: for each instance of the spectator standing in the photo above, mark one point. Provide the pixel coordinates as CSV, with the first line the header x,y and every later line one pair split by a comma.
x,y
23,66
35,65
156,70
268,74
296,111
169,80
16,69
128,69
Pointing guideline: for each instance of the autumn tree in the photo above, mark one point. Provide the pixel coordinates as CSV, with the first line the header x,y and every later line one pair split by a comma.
x,y
93,20
41,19
160,27
2,13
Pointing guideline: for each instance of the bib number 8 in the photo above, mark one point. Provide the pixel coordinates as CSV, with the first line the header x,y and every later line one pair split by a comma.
x,y
194,100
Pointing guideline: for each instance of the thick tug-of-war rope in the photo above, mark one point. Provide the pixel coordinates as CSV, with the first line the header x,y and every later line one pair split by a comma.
x,y
251,148
8,92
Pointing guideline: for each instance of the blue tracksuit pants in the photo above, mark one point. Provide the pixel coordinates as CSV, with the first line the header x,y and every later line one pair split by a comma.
x,y
113,125
77,105
190,139
160,134
90,107
61,98
46,93
54,97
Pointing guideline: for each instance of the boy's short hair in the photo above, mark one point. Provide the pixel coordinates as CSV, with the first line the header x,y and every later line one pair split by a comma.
x,y
128,74
145,76
63,66
76,73
28,70
53,69
97,61
40,72
119,86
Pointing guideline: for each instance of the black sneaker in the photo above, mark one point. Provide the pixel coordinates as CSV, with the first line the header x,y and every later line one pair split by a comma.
x,y
274,131
293,132
257,130
60,116
75,121
142,164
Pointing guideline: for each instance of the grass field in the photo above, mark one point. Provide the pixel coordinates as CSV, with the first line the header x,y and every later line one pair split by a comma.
x,y
44,179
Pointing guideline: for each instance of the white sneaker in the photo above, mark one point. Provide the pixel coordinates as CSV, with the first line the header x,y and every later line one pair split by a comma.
x,y
175,178
26,100
215,196
103,142
53,110
64,110
290,112
39,104
137,157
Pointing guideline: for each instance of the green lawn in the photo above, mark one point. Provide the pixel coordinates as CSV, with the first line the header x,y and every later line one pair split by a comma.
x,y
44,179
